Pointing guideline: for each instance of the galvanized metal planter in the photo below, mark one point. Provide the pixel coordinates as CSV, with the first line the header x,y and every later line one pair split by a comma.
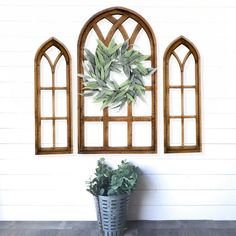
x,y
112,214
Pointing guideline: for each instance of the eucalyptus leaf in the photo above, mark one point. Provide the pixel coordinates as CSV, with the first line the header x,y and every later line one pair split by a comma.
x,y
128,53
97,72
100,58
124,47
102,74
127,70
112,43
114,49
97,62
130,97
90,67
125,83
101,45
88,94
115,69
142,69
92,85
89,56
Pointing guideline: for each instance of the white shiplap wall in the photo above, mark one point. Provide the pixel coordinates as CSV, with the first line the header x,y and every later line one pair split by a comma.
x,y
176,186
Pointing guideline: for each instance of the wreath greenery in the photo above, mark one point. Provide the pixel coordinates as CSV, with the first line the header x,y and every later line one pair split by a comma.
x,y
114,58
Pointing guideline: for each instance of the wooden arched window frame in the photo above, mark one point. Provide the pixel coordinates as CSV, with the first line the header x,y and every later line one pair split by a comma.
x,y
91,24
53,89
182,88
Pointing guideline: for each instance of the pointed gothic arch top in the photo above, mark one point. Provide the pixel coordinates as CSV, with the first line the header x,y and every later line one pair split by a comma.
x,y
181,40
49,43
92,24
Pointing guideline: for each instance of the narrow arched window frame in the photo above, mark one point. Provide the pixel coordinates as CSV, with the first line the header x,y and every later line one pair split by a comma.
x,y
183,118
56,121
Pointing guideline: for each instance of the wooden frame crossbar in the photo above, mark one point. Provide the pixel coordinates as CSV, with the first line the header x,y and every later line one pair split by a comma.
x,y
54,149
92,24
170,51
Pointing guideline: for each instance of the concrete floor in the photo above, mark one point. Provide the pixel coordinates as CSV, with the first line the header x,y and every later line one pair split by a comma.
x,y
135,228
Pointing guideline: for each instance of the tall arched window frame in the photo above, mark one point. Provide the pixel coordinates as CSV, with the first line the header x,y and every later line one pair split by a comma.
x,y
53,115
117,25
182,97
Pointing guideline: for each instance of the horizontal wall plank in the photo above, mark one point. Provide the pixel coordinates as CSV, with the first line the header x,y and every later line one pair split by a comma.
x,y
17,151
80,197
187,166
85,165
17,89
17,75
184,198
187,182
47,213
76,213
13,105
168,3
56,164
219,136
17,135
218,121
64,182
46,198
182,213
24,151
16,121
186,14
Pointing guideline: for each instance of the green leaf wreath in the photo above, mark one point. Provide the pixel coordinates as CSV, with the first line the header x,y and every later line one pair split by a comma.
x,y
115,57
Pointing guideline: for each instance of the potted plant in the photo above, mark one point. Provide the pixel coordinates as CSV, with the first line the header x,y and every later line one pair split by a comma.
x,y
111,189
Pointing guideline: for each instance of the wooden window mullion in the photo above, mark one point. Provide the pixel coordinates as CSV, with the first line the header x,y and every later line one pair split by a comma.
x,y
182,106
105,128
68,106
37,110
197,104
129,126
166,105
154,103
53,108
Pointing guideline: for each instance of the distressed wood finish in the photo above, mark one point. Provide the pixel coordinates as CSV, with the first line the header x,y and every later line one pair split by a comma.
x,y
38,88
167,117
116,25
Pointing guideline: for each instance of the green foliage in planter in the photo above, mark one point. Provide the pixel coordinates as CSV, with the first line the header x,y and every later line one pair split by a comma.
x,y
109,182
99,185
114,58
124,179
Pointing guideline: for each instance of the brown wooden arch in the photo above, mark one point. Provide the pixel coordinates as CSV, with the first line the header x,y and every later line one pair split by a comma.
x,y
167,86
116,25
41,52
